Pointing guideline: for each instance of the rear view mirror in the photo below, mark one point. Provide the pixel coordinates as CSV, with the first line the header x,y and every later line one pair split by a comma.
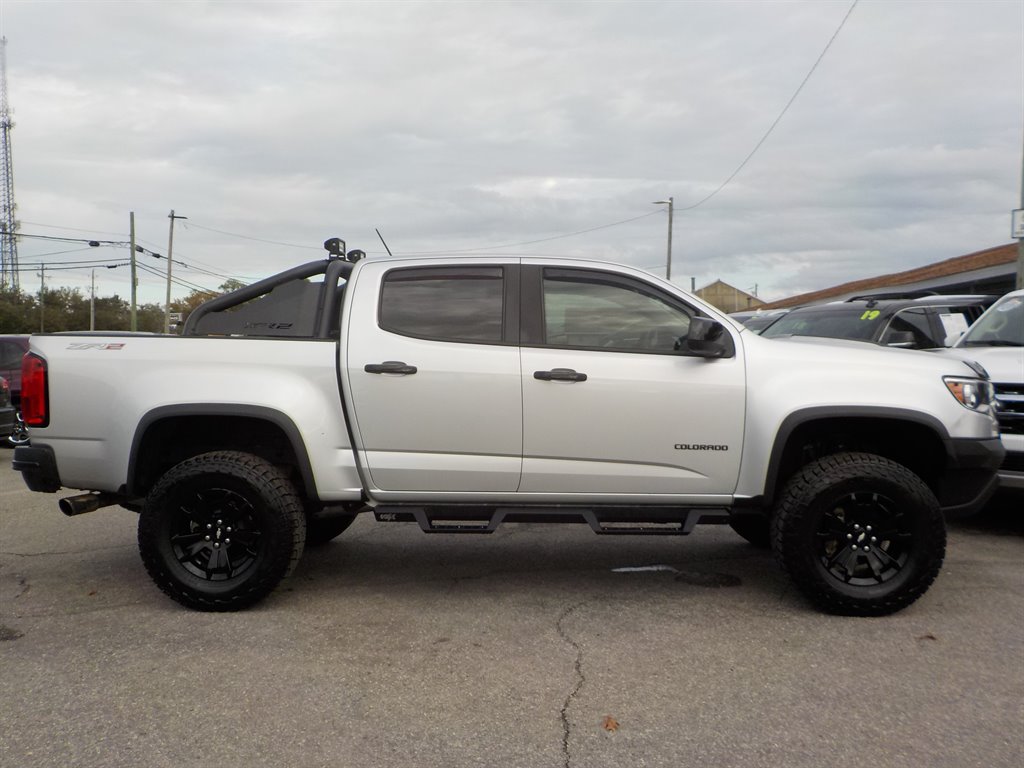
x,y
706,338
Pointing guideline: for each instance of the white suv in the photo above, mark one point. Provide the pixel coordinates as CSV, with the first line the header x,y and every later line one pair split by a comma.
x,y
996,341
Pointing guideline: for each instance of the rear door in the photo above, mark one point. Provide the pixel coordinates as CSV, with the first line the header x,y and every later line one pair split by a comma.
x,y
431,360
610,407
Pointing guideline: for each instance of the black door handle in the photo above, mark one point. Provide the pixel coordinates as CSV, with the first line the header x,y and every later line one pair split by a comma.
x,y
391,366
560,374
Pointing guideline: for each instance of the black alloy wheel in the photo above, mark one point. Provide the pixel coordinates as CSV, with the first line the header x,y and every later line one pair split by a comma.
x,y
865,539
216,533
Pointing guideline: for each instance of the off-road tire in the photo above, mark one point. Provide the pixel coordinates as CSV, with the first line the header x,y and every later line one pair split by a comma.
x,y
219,531
860,535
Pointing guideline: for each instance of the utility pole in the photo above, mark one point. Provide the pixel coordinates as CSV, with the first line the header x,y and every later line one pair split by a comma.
x,y
135,280
42,299
92,303
670,203
1018,225
170,260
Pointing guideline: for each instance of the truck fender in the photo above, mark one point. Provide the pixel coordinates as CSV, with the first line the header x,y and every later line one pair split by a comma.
x,y
254,412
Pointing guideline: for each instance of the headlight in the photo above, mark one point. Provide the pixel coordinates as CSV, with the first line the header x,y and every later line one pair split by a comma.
x,y
972,393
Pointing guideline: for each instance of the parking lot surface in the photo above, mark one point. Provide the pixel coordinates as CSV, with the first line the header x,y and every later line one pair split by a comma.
x,y
541,646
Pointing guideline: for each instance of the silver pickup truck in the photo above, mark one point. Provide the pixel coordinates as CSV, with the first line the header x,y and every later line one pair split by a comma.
x,y
459,393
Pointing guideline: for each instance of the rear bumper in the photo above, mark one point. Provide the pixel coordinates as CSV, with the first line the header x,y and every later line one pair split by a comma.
x,y
971,475
38,467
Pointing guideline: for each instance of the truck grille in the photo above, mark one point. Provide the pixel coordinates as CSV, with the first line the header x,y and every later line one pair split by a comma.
x,y
1010,408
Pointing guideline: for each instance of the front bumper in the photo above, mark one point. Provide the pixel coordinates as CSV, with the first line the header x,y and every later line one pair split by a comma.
x,y
38,467
971,475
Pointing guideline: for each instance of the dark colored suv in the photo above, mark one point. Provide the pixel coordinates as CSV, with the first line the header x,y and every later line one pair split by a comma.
x,y
926,322
12,349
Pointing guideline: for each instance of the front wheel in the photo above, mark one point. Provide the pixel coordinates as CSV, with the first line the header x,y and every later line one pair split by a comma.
x,y
219,531
860,535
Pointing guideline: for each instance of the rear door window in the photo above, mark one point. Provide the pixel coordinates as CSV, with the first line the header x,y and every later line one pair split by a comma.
x,y
451,303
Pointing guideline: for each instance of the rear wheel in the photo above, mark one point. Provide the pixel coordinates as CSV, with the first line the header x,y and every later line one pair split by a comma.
x,y
219,531
859,534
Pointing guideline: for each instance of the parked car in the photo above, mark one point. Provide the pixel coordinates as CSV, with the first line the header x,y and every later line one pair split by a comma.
x,y
926,322
460,394
758,319
8,416
12,349
996,341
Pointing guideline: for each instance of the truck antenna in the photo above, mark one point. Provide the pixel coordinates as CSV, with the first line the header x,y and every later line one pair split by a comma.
x,y
382,240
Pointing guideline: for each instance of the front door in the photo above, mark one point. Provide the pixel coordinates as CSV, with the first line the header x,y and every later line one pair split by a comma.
x,y
610,407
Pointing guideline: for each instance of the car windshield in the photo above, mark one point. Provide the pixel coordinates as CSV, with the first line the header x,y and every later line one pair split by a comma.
x,y
834,323
758,323
1001,326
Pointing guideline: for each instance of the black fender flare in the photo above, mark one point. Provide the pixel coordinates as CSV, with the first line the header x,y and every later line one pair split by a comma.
x,y
255,412
830,413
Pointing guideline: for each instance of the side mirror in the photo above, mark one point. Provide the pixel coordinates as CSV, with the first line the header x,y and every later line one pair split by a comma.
x,y
706,338
902,339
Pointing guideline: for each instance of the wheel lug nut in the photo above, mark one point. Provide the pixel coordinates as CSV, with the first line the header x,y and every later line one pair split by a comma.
x,y
869,529
220,522
227,541
216,545
873,539
229,529
207,538
849,535
209,526
856,526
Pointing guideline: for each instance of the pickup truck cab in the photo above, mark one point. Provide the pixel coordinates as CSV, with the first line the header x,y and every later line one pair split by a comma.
x,y
460,393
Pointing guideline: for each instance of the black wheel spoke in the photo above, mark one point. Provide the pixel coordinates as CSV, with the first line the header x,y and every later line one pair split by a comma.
x,y
876,566
886,559
191,551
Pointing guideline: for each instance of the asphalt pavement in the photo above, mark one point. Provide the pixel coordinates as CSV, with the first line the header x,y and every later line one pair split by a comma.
x,y
542,646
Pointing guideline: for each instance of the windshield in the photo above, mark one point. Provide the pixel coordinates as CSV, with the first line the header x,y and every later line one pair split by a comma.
x,y
1001,326
833,323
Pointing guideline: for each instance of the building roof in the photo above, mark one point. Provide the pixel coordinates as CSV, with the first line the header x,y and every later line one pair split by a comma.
x,y
939,273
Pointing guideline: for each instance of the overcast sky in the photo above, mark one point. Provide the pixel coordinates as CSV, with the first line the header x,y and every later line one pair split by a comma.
x,y
483,127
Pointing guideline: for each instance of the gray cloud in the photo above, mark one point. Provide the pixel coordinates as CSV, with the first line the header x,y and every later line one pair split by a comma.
x,y
471,125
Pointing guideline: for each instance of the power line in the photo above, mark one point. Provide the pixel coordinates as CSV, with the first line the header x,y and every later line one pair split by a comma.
x,y
67,268
180,283
777,119
531,242
74,240
191,224
69,229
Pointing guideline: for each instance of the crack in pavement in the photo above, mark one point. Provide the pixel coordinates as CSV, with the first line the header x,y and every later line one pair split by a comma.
x,y
67,552
580,679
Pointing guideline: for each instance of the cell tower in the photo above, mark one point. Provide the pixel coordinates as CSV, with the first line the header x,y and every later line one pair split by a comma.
x,y
8,226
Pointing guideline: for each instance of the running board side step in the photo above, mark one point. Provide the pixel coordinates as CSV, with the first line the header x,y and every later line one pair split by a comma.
x,y
632,521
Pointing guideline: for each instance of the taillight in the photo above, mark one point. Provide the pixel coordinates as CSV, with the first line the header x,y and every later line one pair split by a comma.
x,y
35,400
